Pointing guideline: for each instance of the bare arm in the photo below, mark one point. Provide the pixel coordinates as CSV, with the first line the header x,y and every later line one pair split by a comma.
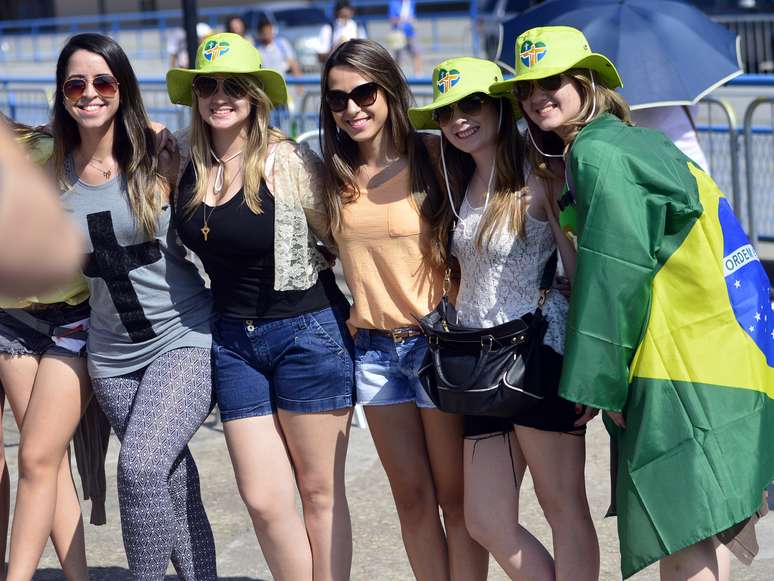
x,y
39,247
549,210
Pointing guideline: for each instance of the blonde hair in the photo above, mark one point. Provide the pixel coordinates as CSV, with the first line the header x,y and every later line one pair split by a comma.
x,y
596,100
259,136
507,205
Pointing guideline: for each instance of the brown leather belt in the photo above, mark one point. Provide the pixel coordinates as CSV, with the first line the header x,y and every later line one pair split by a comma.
x,y
399,334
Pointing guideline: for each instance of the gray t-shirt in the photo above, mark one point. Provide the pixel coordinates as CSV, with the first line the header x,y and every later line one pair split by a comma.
x,y
146,297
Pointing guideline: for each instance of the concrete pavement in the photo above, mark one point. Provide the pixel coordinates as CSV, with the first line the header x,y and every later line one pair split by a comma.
x,y
378,550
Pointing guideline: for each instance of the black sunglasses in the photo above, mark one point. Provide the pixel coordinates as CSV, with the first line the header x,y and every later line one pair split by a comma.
x,y
206,87
523,89
363,95
470,105
105,85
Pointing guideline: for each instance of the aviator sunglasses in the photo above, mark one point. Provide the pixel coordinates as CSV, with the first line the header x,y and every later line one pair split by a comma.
x,y
363,95
105,85
523,89
470,105
206,87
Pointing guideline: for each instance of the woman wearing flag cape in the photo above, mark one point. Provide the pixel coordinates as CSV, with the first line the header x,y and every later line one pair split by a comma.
x,y
671,328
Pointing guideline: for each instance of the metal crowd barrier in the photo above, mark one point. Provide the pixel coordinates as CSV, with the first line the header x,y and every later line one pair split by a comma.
x,y
741,160
759,167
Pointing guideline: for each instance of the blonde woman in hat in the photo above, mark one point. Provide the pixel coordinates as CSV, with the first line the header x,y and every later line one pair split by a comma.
x,y
249,205
384,201
504,232
658,317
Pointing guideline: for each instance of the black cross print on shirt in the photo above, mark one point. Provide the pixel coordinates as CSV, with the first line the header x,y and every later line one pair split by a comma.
x,y
112,262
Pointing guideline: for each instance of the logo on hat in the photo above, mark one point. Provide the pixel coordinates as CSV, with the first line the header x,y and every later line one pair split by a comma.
x,y
532,53
213,50
448,79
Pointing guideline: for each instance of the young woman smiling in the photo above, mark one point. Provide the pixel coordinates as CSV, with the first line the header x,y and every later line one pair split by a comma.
x,y
248,204
383,200
654,232
505,231
149,336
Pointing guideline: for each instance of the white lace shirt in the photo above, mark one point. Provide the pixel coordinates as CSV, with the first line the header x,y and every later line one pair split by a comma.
x,y
501,283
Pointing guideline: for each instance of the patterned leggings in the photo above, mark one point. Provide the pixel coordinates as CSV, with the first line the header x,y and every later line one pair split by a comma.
x,y
155,412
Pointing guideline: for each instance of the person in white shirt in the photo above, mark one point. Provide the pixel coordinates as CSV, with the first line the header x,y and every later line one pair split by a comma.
x,y
342,29
177,47
676,122
277,53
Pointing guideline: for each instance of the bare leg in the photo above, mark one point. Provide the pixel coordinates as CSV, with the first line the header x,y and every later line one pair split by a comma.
x,y
46,500
556,462
267,486
318,447
494,470
400,442
698,562
5,493
468,561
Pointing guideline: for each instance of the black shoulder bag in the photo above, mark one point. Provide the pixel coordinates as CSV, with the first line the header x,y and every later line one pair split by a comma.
x,y
493,371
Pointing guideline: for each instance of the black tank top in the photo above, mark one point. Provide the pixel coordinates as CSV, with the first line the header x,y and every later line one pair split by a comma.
x,y
238,256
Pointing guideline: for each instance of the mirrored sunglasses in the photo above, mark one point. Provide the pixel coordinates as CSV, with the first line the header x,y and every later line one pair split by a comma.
x,y
105,86
205,87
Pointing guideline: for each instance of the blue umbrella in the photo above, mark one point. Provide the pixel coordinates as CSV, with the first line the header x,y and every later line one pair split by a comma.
x,y
668,52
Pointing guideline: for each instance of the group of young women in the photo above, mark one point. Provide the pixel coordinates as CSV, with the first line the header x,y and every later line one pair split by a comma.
x,y
274,341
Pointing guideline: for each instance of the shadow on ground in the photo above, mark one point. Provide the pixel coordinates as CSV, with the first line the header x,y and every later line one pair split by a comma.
x,y
115,574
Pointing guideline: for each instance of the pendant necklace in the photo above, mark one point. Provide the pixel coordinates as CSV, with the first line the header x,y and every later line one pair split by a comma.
x,y
218,188
105,173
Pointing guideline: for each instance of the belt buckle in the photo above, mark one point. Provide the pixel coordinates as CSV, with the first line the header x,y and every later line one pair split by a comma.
x,y
397,336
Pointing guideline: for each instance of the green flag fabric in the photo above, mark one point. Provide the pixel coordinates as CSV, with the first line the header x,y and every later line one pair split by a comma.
x,y
671,323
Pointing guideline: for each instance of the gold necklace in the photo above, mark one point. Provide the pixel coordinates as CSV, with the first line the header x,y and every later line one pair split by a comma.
x,y
205,230
105,173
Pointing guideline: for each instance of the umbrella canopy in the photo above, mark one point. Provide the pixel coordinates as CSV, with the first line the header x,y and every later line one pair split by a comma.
x,y
668,52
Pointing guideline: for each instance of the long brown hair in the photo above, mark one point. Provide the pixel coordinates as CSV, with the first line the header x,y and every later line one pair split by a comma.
x,y
507,203
133,143
341,154
259,136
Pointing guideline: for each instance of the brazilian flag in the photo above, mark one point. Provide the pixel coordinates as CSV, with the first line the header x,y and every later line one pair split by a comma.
x,y
670,322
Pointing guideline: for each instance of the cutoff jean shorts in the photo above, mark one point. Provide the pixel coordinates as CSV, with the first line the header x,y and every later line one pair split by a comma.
x,y
386,370
300,364
17,338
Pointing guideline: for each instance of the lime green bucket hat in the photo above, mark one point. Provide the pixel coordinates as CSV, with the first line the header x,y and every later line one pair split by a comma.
x,y
229,54
455,79
550,50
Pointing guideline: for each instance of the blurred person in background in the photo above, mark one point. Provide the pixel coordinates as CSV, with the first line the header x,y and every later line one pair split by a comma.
x,y
343,28
235,25
276,52
177,48
402,14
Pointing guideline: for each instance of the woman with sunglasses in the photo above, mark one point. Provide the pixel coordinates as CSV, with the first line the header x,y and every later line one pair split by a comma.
x,y
686,382
505,231
249,205
149,340
383,200
43,373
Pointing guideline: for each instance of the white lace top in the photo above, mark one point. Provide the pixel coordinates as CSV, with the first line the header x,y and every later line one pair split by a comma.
x,y
502,283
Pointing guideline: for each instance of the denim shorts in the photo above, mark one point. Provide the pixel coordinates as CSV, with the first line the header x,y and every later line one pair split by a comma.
x,y
386,370
299,364
17,338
